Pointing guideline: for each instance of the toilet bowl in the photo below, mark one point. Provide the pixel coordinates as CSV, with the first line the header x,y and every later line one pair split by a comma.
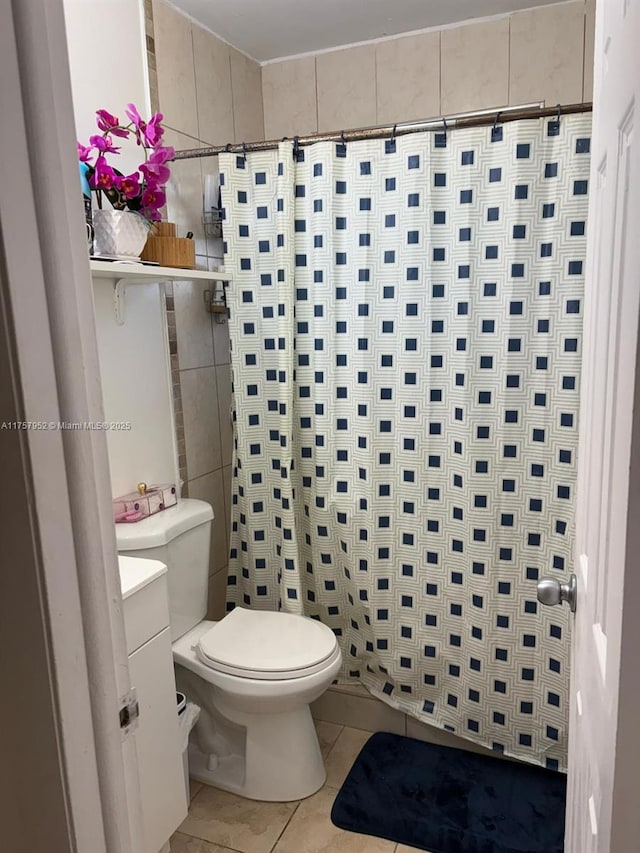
x,y
255,735
253,673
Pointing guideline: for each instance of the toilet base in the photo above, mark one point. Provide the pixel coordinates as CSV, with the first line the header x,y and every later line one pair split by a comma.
x,y
281,762
273,757
229,775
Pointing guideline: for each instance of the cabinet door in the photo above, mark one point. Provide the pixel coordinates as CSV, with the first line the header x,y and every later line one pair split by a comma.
x,y
164,802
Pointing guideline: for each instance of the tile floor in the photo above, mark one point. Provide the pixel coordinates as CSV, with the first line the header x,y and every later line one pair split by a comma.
x,y
220,822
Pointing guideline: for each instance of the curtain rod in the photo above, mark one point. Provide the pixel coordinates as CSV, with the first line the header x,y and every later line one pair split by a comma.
x,y
462,120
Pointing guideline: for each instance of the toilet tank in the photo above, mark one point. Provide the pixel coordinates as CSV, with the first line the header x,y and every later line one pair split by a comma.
x,y
180,538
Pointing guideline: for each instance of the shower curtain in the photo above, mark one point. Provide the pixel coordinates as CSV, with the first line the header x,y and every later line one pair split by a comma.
x,y
405,328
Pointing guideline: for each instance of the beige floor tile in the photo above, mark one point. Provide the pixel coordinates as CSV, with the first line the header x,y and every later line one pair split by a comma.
x,y
245,825
194,787
327,736
344,753
311,831
187,844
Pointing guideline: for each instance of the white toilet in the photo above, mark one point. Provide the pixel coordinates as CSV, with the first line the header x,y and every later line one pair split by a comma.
x,y
253,674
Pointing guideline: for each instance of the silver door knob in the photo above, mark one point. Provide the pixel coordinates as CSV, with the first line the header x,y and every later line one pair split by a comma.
x,y
551,591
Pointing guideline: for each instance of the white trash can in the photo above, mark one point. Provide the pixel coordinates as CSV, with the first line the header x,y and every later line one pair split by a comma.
x,y
188,713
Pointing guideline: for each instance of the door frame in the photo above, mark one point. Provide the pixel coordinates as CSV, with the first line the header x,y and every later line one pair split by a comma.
x,y
67,628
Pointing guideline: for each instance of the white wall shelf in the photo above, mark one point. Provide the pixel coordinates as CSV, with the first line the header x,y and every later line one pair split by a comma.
x,y
148,272
123,274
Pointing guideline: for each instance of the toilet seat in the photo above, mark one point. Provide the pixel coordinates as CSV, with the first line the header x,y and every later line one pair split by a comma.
x,y
266,645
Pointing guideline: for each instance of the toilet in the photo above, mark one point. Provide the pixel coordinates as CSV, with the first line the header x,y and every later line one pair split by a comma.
x,y
253,674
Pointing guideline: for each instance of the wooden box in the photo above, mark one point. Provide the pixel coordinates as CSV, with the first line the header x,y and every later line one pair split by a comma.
x,y
166,249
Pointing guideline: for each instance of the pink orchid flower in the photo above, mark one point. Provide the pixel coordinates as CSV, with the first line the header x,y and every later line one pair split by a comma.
x,y
155,173
154,131
84,153
108,122
104,144
152,214
134,116
154,169
129,185
153,196
104,177
162,154
143,190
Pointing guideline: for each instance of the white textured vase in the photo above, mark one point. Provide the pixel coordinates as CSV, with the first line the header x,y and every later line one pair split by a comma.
x,y
119,234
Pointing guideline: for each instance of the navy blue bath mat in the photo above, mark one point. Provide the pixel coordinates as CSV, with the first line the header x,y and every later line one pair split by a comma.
x,y
451,801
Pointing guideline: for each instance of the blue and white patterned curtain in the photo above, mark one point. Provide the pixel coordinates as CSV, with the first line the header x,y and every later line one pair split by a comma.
x,y
405,324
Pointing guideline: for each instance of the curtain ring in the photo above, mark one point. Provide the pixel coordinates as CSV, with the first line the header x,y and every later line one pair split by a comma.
x,y
244,150
296,147
494,129
559,112
445,129
393,133
343,138
227,147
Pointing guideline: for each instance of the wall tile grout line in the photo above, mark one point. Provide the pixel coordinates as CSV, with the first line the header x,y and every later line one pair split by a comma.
x,y
315,65
233,100
375,81
509,67
584,50
207,473
199,367
151,55
195,83
440,73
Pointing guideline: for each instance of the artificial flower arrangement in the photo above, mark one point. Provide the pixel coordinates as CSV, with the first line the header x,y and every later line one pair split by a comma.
x,y
143,190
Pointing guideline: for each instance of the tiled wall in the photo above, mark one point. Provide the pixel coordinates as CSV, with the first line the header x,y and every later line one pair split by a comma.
x,y
210,94
542,54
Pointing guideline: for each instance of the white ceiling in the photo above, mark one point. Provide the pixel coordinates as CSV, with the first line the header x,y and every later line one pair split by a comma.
x,y
271,29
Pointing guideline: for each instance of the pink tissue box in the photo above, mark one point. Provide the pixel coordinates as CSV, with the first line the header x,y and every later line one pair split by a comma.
x,y
136,506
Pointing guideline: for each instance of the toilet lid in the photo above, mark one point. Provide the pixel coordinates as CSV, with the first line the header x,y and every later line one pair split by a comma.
x,y
264,644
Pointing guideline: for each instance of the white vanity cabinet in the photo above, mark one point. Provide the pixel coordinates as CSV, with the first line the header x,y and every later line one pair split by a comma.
x,y
158,746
